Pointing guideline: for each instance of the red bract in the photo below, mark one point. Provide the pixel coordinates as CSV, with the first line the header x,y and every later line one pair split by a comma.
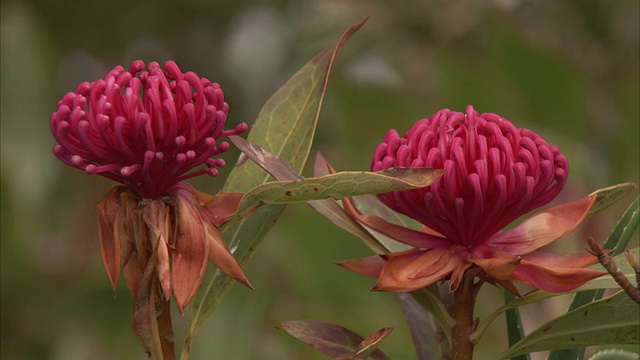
x,y
147,129
176,235
494,173
143,128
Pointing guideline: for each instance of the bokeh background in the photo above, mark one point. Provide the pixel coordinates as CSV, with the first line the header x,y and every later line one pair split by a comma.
x,y
566,69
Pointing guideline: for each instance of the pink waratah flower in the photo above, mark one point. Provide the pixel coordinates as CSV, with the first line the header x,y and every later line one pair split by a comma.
x,y
147,129
144,129
494,173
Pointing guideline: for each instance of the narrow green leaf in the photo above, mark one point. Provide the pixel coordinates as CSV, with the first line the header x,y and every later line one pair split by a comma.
x,y
285,126
335,340
624,230
609,196
515,330
336,186
328,208
614,320
287,122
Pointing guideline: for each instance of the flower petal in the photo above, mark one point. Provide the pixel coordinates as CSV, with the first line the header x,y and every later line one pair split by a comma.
x,y
106,213
130,227
222,206
415,270
191,248
543,227
157,218
370,266
551,260
221,257
554,280
133,274
402,234
494,261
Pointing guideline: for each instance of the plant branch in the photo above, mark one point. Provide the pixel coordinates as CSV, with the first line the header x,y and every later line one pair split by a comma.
x,y
612,268
464,299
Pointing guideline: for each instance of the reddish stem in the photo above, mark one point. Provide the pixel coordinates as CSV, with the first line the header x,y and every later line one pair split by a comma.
x,y
165,328
464,299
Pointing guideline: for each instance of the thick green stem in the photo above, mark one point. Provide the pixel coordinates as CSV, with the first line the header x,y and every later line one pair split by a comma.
x,y
464,299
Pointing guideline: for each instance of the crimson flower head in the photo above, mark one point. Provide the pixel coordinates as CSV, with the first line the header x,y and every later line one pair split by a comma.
x,y
494,173
149,129
143,128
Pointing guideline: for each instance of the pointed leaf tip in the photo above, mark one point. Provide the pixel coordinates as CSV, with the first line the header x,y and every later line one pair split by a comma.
x,y
336,341
190,249
295,107
544,227
221,257
107,212
371,343
610,195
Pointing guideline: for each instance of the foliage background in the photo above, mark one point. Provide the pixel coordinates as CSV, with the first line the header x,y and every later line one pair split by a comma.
x,y
568,70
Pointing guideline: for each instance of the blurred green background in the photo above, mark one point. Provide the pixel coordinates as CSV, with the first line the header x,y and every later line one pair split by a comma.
x,y
566,69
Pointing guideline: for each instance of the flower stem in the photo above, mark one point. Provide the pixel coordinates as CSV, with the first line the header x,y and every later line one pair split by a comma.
x,y
165,328
152,317
464,299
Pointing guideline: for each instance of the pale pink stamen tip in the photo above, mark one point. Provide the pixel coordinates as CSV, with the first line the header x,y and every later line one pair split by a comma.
x,y
77,160
126,171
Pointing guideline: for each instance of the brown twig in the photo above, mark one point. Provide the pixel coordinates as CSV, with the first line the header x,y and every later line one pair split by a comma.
x,y
612,268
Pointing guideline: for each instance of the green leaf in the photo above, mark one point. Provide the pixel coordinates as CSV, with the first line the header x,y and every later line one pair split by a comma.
x,y
328,208
285,126
603,282
336,214
337,341
609,196
336,186
614,320
624,230
515,330
332,211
